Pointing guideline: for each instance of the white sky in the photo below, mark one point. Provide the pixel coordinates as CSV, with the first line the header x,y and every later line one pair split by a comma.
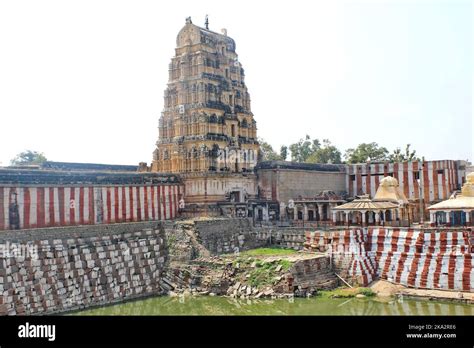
x,y
83,81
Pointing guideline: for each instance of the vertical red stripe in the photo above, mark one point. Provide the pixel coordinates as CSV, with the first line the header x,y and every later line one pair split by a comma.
x,y
406,187
40,219
109,205
399,267
116,203
61,206
72,211
153,203
426,183
451,177
132,213
443,186
359,180
395,173
2,210
435,180
437,273
26,208
425,271
466,274
81,205
171,200
164,201
158,201
395,236
91,206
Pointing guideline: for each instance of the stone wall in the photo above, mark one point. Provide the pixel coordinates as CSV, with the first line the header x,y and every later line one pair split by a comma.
x,y
285,237
309,275
62,269
285,184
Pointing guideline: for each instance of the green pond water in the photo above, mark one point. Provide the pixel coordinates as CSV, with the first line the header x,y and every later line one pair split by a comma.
x,y
206,305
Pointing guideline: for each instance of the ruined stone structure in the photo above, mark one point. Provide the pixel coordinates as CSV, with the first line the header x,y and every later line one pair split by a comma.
x,y
207,132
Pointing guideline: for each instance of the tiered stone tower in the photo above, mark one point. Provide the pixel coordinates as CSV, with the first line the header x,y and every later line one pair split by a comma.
x,y
206,131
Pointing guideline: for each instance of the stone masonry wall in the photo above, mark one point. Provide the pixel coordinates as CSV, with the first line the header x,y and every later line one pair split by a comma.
x,y
227,235
72,268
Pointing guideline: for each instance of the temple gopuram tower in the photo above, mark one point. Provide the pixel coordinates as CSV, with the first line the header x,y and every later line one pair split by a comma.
x,y
207,132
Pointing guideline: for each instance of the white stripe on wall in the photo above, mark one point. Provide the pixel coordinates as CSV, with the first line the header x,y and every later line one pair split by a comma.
x,y
127,203
141,191
77,210
47,219
148,194
6,204
86,204
33,205
134,197
112,204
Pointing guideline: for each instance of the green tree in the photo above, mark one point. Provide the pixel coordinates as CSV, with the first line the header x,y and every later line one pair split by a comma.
x,y
28,157
398,156
266,152
327,153
283,152
366,152
303,149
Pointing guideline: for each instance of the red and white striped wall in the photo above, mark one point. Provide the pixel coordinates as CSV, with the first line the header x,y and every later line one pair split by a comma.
x,y
81,205
434,259
440,178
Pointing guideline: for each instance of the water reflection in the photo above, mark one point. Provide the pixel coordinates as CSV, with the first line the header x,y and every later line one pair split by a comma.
x,y
312,306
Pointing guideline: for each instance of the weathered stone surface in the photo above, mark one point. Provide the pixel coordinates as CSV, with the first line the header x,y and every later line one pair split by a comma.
x,y
55,281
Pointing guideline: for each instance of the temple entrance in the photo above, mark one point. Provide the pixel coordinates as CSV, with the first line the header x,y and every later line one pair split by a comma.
x,y
310,215
235,196
300,215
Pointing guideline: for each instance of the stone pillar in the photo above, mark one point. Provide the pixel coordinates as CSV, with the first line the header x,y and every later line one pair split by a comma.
x,y
295,213
347,216
334,217
363,217
448,217
320,211
305,212
468,217
371,217
432,217
377,217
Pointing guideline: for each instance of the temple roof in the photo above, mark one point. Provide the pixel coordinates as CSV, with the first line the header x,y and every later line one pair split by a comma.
x,y
389,190
192,34
364,203
464,200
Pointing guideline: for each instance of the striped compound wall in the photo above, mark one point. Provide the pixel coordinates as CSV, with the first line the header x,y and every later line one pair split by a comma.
x,y
431,259
31,207
440,178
